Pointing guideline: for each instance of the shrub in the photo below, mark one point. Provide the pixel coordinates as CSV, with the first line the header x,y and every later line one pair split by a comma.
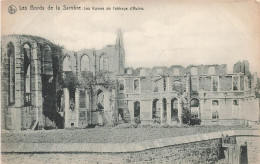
x,y
185,116
137,121
157,120
195,121
125,126
188,118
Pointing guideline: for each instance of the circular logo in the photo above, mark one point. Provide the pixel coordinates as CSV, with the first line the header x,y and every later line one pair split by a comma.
x,y
12,9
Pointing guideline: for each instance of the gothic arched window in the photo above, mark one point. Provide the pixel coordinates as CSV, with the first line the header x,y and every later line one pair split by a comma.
x,y
194,71
84,63
27,74
47,61
11,56
67,64
103,63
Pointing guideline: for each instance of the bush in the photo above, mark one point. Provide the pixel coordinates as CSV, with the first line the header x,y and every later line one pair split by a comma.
x,y
157,120
185,116
188,118
194,121
137,121
125,126
109,125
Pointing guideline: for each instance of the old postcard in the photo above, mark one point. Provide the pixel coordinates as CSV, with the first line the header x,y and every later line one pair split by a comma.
x,y
127,81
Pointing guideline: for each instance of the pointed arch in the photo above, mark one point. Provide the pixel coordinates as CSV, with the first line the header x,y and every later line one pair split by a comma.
x,y
84,63
66,66
103,63
47,60
27,74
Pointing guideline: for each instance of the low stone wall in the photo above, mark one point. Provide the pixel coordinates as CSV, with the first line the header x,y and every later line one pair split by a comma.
x,y
253,148
194,149
198,152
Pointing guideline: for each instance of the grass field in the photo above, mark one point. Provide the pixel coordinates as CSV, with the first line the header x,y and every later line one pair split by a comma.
x,y
119,134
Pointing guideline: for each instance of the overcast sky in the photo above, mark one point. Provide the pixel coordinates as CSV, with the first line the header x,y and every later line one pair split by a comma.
x,y
165,33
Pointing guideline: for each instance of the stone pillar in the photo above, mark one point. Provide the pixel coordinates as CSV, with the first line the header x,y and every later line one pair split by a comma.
x,y
169,113
36,77
114,107
105,100
16,112
180,110
18,76
168,84
107,110
4,97
87,107
161,101
66,106
77,107
131,109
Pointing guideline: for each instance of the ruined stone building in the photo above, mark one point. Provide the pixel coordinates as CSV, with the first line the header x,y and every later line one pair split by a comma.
x,y
46,86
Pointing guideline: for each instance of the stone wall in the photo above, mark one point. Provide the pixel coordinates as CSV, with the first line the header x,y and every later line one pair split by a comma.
x,y
199,148
209,151
26,108
253,148
199,152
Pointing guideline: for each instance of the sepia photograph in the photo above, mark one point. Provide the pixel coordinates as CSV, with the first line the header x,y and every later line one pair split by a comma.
x,y
130,81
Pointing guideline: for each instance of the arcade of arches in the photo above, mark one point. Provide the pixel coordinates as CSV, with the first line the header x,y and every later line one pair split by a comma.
x,y
47,86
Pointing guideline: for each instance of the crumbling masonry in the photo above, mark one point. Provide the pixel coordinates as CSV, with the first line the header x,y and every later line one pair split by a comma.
x,y
46,86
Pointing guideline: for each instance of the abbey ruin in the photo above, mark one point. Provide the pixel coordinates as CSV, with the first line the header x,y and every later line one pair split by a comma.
x,y
45,85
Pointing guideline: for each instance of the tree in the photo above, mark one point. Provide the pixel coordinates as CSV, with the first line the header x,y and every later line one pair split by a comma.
x,y
70,81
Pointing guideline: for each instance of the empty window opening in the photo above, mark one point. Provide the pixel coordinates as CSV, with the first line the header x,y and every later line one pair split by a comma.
x,y
84,63
235,84
11,57
174,109
155,112
136,85
215,109
215,83
195,108
27,74
137,109
67,64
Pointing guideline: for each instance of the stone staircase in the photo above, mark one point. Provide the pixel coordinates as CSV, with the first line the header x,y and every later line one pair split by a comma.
x,y
34,124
